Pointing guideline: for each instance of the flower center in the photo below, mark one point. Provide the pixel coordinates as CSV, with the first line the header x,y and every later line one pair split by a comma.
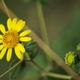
x,y
70,58
10,39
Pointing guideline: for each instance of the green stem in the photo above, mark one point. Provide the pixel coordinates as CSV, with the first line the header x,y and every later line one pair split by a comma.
x,y
5,8
42,22
58,75
14,66
45,73
43,30
11,69
27,55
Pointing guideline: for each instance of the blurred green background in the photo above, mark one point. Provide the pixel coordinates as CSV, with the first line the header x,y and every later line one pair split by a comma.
x,y
62,18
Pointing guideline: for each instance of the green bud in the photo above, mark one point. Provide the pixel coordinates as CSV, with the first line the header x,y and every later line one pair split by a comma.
x,y
71,58
32,48
78,47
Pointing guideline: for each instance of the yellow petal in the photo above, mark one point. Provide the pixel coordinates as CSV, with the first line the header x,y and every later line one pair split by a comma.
x,y
18,53
9,24
13,24
1,47
1,36
25,33
25,39
3,52
9,54
21,48
19,25
2,28
0,41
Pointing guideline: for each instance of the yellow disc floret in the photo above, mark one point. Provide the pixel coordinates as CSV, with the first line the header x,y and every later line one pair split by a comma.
x,y
70,58
10,39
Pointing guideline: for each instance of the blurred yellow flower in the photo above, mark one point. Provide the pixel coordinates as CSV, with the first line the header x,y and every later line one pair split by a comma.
x,y
70,58
12,38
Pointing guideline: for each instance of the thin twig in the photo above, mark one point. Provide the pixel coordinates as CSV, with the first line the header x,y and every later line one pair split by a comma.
x,y
5,8
55,75
42,23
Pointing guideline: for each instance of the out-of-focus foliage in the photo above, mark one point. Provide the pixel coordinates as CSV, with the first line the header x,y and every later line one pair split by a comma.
x,y
43,2
68,38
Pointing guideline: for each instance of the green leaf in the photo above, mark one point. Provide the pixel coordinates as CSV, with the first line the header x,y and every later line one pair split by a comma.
x,y
17,70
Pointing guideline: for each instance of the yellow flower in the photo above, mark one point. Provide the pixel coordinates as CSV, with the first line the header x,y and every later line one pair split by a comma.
x,y
12,38
70,58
